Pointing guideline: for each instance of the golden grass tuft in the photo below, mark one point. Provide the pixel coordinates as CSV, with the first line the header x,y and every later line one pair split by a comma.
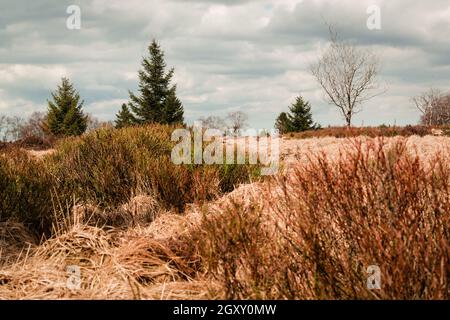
x,y
115,264
79,244
138,210
15,241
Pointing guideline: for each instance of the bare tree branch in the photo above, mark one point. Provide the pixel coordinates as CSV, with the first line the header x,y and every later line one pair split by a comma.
x,y
237,121
434,106
347,74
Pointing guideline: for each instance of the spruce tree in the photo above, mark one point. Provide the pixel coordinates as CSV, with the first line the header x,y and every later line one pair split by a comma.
x,y
157,101
173,109
299,118
65,116
124,118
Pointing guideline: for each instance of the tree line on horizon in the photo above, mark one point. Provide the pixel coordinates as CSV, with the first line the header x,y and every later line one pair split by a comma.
x,y
346,73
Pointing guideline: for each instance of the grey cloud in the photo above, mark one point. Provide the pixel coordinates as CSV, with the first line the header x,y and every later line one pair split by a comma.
x,y
251,55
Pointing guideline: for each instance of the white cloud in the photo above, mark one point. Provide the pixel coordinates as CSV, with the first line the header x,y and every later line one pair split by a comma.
x,y
105,108
31,75
17,106
252,55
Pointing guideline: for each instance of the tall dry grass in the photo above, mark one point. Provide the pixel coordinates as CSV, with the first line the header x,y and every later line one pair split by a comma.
x,y
313,233
308,233
113,265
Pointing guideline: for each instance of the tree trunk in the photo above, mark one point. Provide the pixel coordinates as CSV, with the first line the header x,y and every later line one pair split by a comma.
x,y
348,119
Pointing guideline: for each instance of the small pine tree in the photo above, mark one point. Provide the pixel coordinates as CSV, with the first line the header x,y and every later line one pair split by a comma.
x,y
299,118
65,116
282,123
124,118
157,101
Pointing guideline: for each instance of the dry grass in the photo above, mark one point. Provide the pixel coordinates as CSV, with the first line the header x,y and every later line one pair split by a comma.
x,y
311,234
294,151
307,233
138,210
114,265
15,241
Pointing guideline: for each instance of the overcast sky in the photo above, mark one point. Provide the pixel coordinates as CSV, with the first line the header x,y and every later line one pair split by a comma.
x,y
230,55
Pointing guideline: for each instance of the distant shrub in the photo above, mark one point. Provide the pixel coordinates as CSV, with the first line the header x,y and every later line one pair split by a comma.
x,y
36,143
446,130
373,132
29,143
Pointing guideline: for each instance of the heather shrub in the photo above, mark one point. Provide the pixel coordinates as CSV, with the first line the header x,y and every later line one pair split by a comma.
x,y
446,130
372,132
25,191
243,255
311,234
33,142
106,167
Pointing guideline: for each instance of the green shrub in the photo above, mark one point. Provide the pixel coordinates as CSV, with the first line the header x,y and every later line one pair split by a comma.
x,y
108,166
25,191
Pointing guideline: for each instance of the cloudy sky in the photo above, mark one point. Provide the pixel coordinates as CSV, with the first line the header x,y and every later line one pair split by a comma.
x,y
249,55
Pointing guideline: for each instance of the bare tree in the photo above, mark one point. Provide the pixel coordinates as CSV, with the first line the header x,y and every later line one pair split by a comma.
x,y
442,111
434,106
34,126
234,122
92,123
213,122
348,76
237,121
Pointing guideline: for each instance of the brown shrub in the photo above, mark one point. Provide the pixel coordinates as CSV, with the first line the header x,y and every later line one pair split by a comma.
x,y
30,143
313,233
36,142
373,132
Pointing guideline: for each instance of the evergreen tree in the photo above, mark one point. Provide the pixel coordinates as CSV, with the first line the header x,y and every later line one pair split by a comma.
x,y
65,116
299,118
124,117
282,123
157,101
173,109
